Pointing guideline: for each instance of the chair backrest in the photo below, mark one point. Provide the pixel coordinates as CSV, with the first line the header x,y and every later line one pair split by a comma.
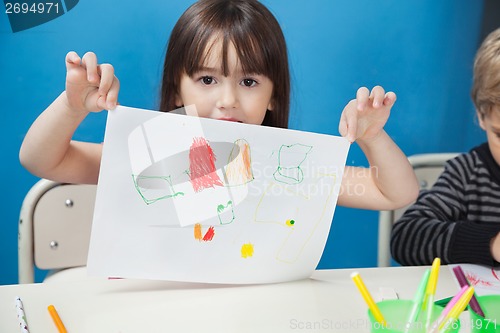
x,y
54,227
427,167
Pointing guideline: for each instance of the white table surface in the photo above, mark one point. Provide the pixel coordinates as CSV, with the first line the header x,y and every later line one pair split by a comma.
x,y
327,302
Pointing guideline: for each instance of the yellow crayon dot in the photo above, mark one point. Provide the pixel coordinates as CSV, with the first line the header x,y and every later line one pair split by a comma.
x,y
247,250
290,223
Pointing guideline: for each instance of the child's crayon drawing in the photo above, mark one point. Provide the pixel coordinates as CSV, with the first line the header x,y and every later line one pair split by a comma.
x,y
209,234
212,201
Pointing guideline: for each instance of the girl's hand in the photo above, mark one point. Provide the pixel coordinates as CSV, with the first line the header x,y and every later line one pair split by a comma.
x,y
90,87
364,117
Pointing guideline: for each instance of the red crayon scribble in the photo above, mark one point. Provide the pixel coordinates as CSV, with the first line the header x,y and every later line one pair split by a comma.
x,y
209,234
202,165
475,280
472,278
494,274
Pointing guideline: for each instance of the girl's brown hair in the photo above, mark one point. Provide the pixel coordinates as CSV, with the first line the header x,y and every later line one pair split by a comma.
x,y
256,36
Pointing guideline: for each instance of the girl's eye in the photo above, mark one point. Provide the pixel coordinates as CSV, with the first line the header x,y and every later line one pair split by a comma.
x,y
249,82
207,80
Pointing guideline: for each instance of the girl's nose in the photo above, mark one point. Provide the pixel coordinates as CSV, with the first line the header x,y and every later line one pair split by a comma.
x,y
228,97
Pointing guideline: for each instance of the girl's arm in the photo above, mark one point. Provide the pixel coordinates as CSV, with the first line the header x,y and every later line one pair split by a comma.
x,y
390,182
47,150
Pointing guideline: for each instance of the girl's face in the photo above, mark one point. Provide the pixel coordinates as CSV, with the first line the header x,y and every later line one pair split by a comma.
x,y
237,97
491,124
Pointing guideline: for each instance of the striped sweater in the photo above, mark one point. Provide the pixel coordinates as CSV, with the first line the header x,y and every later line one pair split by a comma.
x,y
457,218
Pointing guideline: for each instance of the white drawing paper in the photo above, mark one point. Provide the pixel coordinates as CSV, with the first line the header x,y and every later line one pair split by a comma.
x,y
485,280
184,198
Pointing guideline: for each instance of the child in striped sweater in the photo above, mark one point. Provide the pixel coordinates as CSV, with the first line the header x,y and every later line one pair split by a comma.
x,y
458,219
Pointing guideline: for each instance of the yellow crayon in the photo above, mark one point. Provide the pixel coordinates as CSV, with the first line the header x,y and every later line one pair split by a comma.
x,y
431,290
368,298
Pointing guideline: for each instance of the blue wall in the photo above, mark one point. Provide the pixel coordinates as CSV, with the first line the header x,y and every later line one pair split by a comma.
x,y
421,49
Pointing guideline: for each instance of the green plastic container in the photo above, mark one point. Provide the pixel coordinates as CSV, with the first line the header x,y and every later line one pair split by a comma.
x,y
396,313
490,304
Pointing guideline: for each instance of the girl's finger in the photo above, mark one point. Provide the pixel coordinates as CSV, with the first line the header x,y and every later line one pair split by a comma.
x,y
377,95
390,98
107,74
72,60
362,96
343,125
101,102
112,99
351,119
89,62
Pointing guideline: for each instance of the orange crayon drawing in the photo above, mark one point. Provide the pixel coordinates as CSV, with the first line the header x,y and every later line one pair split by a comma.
x,y
239,166
197,231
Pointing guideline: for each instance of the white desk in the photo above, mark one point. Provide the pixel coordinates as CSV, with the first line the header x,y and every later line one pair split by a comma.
x,y
328,302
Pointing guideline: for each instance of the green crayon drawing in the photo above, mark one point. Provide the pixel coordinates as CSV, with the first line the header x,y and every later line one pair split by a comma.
x,y
290,158
221,209
151,195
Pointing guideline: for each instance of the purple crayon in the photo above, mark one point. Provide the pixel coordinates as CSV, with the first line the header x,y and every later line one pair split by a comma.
x,y
462,280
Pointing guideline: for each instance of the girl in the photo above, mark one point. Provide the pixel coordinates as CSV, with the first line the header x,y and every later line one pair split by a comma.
x,y
229,59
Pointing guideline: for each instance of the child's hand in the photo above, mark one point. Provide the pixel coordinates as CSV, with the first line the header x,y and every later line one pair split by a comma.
x,y
364,117
90,87
495,247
